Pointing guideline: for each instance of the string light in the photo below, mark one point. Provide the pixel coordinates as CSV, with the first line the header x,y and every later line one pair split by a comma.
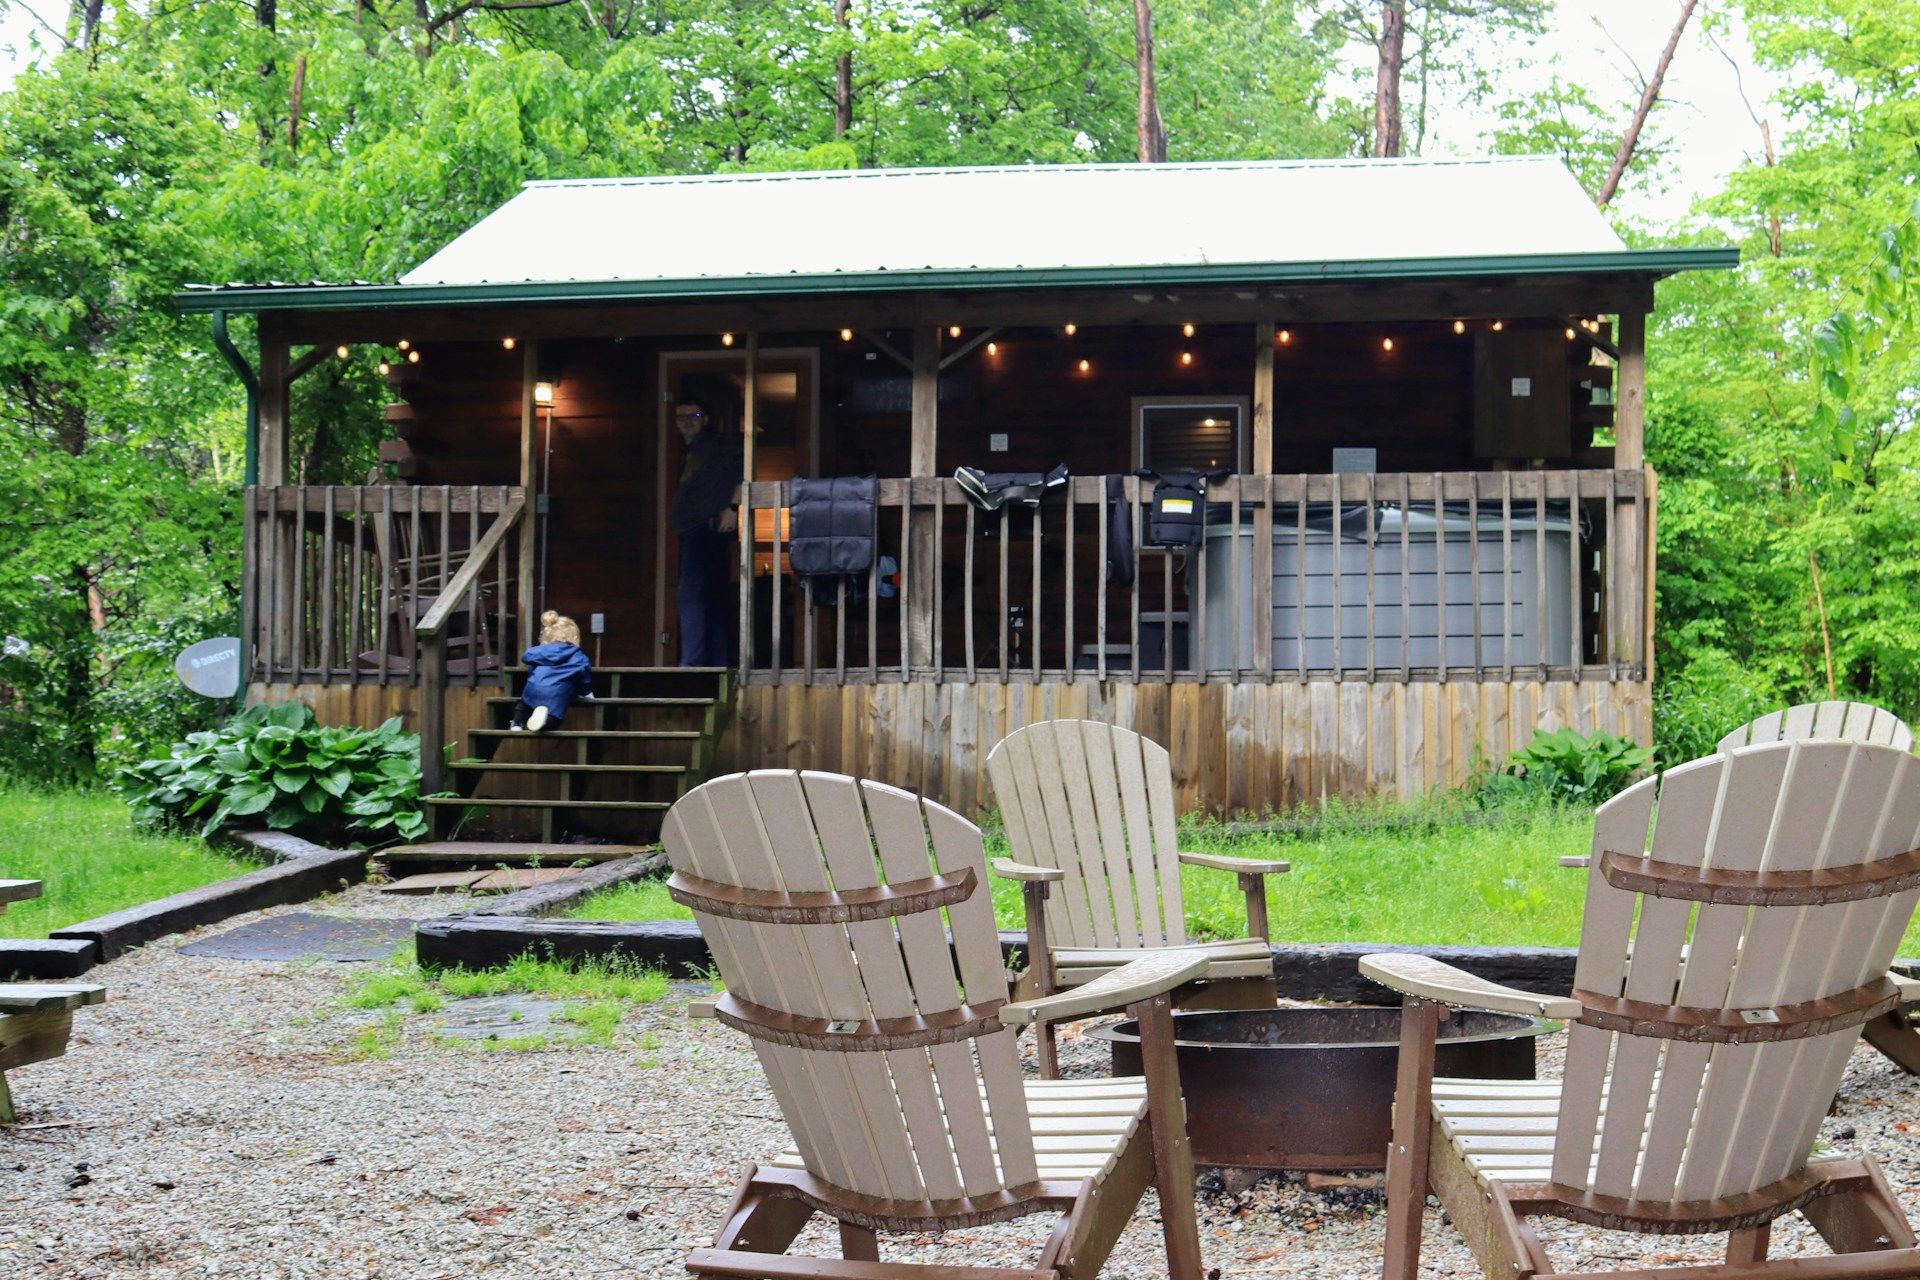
x,y
1386,344
1498,325
993,348
507,343
543,394
342,351
846,335
404,344
1459,326
1571,335
726,339
1086,366
413,357
1072,329
953,331
1186,357
385,368
1286,336
1187,329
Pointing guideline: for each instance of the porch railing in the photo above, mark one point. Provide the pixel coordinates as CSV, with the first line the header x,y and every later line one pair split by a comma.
x,y
339,580
1512,575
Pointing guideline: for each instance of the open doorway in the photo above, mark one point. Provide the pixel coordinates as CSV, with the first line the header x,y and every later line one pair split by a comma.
x,y
786,444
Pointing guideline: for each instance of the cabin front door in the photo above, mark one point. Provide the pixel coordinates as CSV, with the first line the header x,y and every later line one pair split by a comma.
x,y
786,443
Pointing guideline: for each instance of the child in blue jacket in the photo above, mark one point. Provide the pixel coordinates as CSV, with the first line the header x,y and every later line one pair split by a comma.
x,y
557,673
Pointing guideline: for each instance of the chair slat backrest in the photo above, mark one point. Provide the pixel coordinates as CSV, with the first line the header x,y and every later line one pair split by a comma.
x,y
1096,802
932,1121
1662,1117
1853,721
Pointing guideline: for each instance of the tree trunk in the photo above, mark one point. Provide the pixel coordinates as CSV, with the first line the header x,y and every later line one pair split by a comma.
x,y
1150,138
293,104
842,73
1624,156
1386,84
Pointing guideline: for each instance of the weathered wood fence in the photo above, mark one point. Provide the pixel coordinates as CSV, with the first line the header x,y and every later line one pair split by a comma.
x,y
1509,575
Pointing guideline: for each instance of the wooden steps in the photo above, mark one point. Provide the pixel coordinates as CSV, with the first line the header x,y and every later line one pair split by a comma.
x,y
494,853
646,736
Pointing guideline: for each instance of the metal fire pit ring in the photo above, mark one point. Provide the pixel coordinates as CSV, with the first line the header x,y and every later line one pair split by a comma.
x,y
1312,1088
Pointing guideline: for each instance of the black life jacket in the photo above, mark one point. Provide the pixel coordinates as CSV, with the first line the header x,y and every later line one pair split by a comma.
x,y
835,523
1177,515
992,490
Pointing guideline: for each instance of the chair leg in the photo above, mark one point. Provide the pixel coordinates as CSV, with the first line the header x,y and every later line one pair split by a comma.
x,y
7,1114
1412,1132
1863,1217
1749,1244
1047,1050
1893,1034
760,1223
1172,1154
859,1244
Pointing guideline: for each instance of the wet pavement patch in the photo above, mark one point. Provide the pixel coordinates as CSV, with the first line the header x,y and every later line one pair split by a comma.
x,y
303,935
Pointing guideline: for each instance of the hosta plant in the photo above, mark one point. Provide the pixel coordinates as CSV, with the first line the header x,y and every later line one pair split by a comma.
x,y
277,766
1579,768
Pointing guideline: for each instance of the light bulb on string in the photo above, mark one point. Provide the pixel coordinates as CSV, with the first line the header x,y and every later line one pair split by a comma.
x,y
953,331
385,368
1571,335
1498,325
1186,357
403,344
1071,329
1386,344
413,357
508,343
993,348
1459,326
846,335
726,339
1285,336
1086,366
342,351
1187,329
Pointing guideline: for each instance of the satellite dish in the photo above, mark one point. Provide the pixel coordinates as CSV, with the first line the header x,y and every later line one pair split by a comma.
x,y
211,668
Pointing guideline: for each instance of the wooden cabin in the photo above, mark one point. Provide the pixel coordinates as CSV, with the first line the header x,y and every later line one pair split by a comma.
x,y
1424,378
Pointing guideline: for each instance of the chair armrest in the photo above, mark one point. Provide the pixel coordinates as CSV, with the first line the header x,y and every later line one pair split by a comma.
x,y
1137,980
1008,869
1576,860
703,1008
1244,866
1440,982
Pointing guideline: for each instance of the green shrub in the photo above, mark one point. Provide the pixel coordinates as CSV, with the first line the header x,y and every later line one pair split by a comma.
x,y
1579,768
276,764
1714,694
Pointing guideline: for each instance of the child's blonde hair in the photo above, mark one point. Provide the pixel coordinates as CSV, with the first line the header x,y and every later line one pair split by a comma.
x,y
557,629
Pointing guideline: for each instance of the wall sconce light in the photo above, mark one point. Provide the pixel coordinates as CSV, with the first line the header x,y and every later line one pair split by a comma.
x,y
543,394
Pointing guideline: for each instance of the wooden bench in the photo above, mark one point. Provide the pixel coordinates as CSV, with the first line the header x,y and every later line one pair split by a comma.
x,y
36,1020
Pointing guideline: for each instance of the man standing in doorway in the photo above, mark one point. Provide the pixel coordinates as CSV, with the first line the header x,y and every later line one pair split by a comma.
x,y
705,520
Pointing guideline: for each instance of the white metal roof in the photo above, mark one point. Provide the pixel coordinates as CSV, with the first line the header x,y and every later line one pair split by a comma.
x,y
1079,218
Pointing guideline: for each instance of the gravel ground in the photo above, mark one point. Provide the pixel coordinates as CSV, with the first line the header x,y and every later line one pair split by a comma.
x,y
212,1120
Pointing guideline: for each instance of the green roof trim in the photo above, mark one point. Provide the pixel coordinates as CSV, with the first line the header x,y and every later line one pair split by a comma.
x,y
354,297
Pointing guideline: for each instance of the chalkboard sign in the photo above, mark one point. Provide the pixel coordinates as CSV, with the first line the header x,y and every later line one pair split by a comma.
x,y
211,668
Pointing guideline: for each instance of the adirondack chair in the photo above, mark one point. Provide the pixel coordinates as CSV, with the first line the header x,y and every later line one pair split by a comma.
x,y
1089,814
1851,721
891,1052
1893,1032
36,1020
1760,908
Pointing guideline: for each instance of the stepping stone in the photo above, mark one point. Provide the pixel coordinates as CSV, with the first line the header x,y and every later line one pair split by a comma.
x,y
503,1017
304,935
509,879
436,882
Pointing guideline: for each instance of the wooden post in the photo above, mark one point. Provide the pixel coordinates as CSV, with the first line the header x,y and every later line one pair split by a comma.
x,y
749,418
1412,1131
1262,465
433,709
1630,634
923,456
278,544
529,522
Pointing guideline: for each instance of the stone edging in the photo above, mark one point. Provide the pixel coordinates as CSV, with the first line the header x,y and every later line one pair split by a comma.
x,y
299,870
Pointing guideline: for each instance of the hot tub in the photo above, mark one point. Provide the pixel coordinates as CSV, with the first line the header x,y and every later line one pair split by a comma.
x,y
1312,1088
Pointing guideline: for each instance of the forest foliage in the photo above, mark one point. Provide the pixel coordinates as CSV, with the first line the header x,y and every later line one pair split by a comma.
x,y
157,145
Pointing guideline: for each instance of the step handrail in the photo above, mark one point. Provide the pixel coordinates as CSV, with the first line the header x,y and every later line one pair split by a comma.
x,y
449,598
430,631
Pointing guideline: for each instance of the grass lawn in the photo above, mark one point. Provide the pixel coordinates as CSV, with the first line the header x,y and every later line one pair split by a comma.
x,y
92,861
1421,876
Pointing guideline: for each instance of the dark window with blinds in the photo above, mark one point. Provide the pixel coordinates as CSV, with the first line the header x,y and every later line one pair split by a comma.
x,y
1193,435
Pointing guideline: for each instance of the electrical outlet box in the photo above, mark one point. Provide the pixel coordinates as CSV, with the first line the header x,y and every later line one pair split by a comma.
x,y
597,624
997,442
1523,386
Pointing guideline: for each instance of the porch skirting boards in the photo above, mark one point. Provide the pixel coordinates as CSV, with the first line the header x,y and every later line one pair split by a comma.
x,y
1247,747
1236,747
